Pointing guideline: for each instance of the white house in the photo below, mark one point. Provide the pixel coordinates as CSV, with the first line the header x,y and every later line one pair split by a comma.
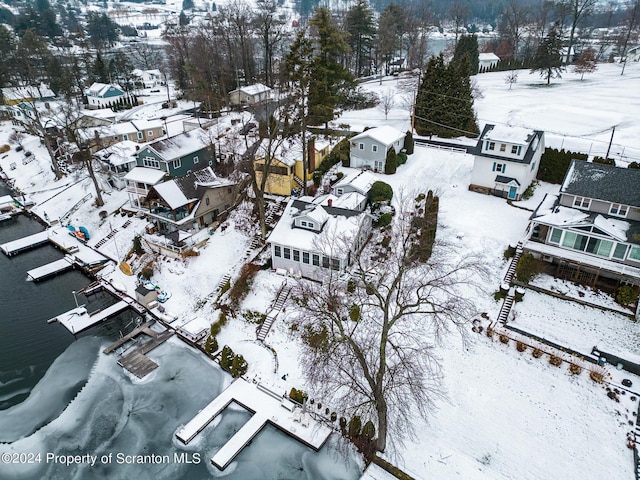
x,y
506,160
487,60
369,148
250,95
355,181
307,239
148,78
101,95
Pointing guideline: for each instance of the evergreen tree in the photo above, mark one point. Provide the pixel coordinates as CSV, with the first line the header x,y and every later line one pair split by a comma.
x,y
444,104
548,58
361,29
101,29
409,143
187,5
100,72
391,164
330,80
183,20
467,46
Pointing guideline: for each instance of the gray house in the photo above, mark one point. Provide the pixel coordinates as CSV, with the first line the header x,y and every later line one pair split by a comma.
x,y
178,155
592,228
369,149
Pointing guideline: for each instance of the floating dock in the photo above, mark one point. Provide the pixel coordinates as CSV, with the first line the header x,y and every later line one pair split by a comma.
x,y
26,243
267,407
50,269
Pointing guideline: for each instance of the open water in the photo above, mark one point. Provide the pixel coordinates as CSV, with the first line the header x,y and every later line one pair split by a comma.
x,y
60,396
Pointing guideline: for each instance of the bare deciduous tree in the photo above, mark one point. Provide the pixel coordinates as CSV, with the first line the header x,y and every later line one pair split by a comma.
x,y
369,343
387,102
511,78
578,9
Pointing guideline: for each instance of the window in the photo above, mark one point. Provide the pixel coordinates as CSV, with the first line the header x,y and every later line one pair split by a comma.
x,y
303,223
139,135
499,167
361,146
503,147
277,251
492,146
305,257
533,165
296,255
374,148
599,247
514,149
287,253
310,225
339,191
125,137
316,260
634,254
325,261
150,133
177,163
335,264
620,251
618,210
581,202
207,201
150,162
556,234
195,159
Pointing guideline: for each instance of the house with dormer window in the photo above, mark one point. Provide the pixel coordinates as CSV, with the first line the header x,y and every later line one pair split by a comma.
x,y
506,160
101,95
591,230
304,240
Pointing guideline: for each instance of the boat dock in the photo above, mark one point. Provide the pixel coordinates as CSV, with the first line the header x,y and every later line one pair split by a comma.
x,y
78,319
50,269
26,243
137,362
267,408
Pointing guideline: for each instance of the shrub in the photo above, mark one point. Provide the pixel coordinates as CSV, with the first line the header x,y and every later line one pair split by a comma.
x,y
147,271
499,295
575,369
211,345
351,286
509,252
528,193
4,148
340,153
604,161
521,346
409,143
226,357
489,332
554,164
391,164
626,295
504,339
386,240
555,360
354,312
242,285
596,376
634,165
402,158
317,178
368,430
385,219
355,424
527,268
537,353
380,192
137,245
298,395
359,99
239,366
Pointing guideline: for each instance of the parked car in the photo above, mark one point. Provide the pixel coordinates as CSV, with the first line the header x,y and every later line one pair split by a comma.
x,y
19,148
27,153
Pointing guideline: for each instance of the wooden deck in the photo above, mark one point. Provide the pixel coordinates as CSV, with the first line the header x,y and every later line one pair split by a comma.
x,y
130,336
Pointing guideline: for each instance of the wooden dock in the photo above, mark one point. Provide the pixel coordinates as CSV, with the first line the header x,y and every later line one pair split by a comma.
x,y
50,269
25,243
267,407
130,336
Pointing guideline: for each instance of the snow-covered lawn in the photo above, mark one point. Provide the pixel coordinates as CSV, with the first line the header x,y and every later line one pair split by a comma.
x,y
577,326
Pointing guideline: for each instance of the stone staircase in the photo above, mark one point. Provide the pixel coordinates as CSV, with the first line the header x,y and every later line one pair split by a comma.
x,y
276,307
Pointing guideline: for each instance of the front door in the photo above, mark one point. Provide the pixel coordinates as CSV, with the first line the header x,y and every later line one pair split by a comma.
x,y
513,192
379,165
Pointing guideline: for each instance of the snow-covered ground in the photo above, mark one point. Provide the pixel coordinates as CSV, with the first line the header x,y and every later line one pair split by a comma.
x,y
507,415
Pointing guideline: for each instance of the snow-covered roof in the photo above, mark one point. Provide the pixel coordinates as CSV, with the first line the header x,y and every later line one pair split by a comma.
x,y
488,57
29,91
284,232
505,133
119,153
386,135
254,89
143,125
564,216
359,180
6,200
614,227
148,176
317,214
99,89
171,193
180,145
288,152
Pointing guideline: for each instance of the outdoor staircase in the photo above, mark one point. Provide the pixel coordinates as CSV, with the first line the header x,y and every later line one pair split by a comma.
x,y
299,181
514,262
276,307
72,210
506,307
274,209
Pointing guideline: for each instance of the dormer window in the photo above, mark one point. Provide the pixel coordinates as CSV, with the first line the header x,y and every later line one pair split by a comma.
x,y
491,145
581,202
516,149
618,210
503,147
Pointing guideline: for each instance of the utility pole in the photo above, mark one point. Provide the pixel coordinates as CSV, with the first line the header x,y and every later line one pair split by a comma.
x,y
610,142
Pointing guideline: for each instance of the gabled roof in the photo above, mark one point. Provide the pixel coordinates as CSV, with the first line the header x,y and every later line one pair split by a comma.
x,y
507,134
100,89
254,89
602,182
142,125
28,91
148,176
179,145
190,187
486,57
386,135
506,180
119,153
172,194
359,180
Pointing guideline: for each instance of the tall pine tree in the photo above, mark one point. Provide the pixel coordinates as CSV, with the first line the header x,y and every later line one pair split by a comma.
x,y
467,46
548,58
361,28
444,104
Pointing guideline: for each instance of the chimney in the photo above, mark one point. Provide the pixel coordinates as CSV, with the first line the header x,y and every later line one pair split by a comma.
x,y
329,202
137,148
